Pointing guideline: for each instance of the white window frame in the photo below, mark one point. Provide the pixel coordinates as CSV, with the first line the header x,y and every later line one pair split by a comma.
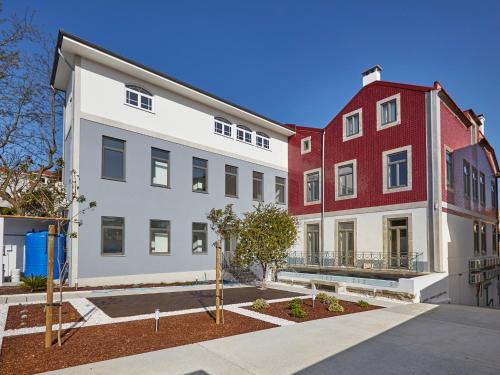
x,y
385,183
354,194
303,141
306,173
381,126
358,112
262,137
245,131
226,127
141,92
152,231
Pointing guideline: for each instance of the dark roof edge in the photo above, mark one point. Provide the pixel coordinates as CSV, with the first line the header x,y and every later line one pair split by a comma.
x,y
63,34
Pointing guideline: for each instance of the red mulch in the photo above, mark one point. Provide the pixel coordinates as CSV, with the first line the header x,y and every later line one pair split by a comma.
x,y
320,311
26,354
35,315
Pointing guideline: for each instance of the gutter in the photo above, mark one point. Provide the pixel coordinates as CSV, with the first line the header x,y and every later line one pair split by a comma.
x,y
322,190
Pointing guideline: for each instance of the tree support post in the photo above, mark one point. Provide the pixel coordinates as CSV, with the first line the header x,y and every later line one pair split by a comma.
x,y
50,289
217,282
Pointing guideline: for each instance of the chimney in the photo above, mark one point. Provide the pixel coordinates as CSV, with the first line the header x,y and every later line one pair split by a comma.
x,y
482,120
371,75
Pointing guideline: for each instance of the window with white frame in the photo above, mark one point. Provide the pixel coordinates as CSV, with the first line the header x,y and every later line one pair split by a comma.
x,y
262,140
159,237
449,168
160,167
223,127
305,145
352,124
244,134
345,180
312,187
200,175
397,168
199,238
389,112
138,97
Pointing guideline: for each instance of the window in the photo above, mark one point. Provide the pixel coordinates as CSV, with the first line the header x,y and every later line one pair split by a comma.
x,y
311,187
113,159
160,167
494,239
389,112
483,239
244,134
482,188
352,125
345,180
280,190
346,243
262,140
398,240
466,179
138,97
449,168
159,237
476,238
397,170
493,191
474,183
312,244
231,181
305,145
200,172
223,127
258,186
199,238
112,235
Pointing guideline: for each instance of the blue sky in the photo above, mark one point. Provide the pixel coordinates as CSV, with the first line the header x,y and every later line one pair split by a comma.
x,y
298,61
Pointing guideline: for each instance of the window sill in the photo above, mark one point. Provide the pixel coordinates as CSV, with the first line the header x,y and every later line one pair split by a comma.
x,y
159,254
345,197
161,186
204,253
263,148
350,137
200,191
396,189
231,196
113,179
388,125
113,255
137,107
311,203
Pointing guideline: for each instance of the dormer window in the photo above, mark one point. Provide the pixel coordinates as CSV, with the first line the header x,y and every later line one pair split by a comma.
x,y
223,127
262,140
244,134
138,97
352,124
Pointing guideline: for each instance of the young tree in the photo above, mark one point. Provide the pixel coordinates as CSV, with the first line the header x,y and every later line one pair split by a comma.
x,y
264,237
224,222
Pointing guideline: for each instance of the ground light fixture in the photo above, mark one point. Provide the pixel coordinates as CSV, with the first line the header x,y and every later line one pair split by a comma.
x,y
157,320
313,293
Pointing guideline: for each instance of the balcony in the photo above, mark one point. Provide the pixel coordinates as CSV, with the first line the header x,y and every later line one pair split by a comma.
x,y
362,262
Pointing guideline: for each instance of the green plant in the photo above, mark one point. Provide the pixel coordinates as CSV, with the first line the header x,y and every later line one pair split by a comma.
x,y
259,304
363,304
298,312
295,303
34,283
335,307
322,297
331,300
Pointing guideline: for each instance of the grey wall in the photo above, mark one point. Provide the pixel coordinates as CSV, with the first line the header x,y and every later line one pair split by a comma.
x,y
138,202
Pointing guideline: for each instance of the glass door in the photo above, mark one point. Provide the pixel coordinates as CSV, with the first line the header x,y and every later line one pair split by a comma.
x,y
312,244
398,243
346,243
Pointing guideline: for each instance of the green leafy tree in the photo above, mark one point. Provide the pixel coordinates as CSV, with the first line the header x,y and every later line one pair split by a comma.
x,y
264,237
224,222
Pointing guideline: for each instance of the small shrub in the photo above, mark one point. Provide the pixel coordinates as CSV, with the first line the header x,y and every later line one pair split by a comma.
x,y
363,304
331,300
34,283
259,304
322,297
295,303
298,312
335,307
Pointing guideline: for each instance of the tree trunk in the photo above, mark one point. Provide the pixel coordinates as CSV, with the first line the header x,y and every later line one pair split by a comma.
x,y
264,272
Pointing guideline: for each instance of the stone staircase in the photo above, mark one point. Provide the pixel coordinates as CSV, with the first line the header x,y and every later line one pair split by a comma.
x,y
233,272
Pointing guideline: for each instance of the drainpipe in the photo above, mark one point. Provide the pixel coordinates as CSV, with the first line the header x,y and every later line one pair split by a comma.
x,y
322,193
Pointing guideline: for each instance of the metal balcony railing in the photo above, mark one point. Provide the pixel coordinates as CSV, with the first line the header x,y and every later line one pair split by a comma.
x,y
362,260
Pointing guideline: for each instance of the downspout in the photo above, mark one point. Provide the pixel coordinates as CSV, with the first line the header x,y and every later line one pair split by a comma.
x,y
322,192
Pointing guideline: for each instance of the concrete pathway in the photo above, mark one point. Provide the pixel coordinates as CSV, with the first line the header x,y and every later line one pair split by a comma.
x,y
404,339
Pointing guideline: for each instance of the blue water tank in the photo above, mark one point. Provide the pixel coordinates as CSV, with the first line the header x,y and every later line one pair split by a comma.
x,y
36,253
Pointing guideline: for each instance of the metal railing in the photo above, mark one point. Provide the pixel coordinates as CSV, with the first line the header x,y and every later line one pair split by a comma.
x,y
362,260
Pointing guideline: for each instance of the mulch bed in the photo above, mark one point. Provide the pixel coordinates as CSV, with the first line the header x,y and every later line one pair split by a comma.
x,y
320,311
26,354
35,315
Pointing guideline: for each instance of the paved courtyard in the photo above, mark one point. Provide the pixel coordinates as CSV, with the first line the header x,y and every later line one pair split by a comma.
x,y
404,339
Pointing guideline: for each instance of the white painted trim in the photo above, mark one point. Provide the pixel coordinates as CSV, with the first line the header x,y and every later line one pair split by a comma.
x,y
138,130
302,149
385,187
398,112
359,112
354,180
147,278
306,203
476,215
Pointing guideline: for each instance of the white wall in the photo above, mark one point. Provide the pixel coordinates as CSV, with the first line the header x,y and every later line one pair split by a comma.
x,y
103,95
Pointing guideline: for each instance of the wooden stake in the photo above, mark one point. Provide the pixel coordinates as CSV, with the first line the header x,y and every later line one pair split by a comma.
x,y
50,289
217,282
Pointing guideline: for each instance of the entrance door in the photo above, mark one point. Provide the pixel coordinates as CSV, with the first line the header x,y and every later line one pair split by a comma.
x,y
312,243
346,243
398,243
